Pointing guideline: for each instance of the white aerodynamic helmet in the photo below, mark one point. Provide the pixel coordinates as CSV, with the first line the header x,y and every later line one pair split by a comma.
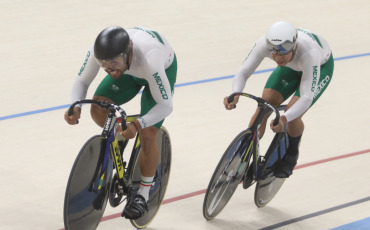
x,y
281,38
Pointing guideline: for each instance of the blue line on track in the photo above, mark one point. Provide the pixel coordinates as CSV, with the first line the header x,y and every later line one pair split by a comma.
x,y
34,112
363,224
177,85
319,213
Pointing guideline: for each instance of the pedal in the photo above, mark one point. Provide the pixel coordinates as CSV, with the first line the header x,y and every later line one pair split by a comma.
x,y
261,174
120,189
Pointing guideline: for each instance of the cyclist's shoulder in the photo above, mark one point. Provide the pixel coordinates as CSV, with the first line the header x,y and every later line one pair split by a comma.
x,y
146,37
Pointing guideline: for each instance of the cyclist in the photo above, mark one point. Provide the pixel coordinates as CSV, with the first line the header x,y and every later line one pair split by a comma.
x,y
305,68
133,58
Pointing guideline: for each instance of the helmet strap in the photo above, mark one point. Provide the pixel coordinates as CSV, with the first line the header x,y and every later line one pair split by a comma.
x,y
294,51
129,55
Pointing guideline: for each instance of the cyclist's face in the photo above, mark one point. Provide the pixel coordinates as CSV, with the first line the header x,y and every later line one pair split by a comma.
x,y
282,60
114,67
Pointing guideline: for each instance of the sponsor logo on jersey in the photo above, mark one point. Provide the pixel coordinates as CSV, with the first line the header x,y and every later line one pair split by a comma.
x,y
160,85
152,33
285,83
84,65
115,88
312,35
142,122
321,85
314,81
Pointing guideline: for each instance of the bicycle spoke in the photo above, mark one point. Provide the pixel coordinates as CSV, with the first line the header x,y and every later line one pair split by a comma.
x,y
226,177
216,200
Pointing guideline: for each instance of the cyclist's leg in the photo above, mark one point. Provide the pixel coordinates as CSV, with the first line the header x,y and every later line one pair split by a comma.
x,y
137,206
272,96
281,84
149,155
149,158
118,91
295,128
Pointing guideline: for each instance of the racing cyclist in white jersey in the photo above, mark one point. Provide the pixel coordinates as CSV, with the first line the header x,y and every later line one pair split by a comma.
x,y
305,68
135,59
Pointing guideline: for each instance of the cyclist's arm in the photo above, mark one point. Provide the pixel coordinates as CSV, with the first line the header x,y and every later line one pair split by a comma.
x,y
86,75
310,77
250,64
159,88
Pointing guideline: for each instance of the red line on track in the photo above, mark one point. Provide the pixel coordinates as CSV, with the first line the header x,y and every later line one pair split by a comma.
x,y
332,159
185,196
170,200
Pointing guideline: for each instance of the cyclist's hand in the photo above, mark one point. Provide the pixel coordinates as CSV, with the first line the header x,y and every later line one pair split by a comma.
x,y
280,126
130,132
73,119
231,105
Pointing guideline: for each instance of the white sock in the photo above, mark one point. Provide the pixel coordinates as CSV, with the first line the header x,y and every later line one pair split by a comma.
x,y
146,183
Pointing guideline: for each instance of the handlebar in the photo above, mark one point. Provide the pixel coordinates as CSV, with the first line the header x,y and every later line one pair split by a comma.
x,y
104,104
260,101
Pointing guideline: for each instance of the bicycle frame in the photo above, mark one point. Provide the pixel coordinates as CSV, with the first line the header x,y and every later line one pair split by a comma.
x,y
105,177
109,133
126,178
258,160
235,165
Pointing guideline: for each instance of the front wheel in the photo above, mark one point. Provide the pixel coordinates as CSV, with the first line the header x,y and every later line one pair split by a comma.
x,y
227,175
159,185
88,186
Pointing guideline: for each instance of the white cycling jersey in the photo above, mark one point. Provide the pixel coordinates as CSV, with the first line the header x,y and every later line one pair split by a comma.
x,y
312,52
152,55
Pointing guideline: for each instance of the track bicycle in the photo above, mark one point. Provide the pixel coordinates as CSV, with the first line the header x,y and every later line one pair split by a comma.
x,y
100,173
242,162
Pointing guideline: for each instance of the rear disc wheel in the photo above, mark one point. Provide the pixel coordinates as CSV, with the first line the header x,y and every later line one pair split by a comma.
x,y
161,178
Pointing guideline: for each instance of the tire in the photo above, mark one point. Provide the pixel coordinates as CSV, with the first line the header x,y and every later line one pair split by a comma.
x,y
227,175
266,189
160,182
84,204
